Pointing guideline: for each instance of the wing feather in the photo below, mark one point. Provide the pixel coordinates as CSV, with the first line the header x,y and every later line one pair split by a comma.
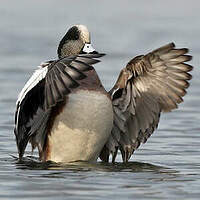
x,y
148,85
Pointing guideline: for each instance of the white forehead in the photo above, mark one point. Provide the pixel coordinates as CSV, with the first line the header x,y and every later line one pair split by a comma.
x,y
82,28
84,33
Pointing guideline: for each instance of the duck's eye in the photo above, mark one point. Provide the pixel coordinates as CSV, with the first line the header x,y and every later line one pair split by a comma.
x,y
76,37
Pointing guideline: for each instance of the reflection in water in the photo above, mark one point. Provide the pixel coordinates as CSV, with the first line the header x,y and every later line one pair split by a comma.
x,y
33,163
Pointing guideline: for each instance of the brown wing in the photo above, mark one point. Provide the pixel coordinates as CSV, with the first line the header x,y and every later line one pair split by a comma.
x,y
147,86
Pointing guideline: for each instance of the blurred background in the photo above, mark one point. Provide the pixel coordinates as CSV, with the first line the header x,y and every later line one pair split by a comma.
x,y
168,166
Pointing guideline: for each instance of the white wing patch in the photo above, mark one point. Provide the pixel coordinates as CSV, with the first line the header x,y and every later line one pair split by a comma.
x,y
37,76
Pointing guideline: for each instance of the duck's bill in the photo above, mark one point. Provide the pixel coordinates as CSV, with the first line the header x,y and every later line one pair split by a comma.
x,y
88,48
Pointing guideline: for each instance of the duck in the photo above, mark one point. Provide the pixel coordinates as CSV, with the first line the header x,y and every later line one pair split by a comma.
x,y
66,113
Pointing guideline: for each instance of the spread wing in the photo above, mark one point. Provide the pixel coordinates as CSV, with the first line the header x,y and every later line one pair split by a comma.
x,y
148,85
47,86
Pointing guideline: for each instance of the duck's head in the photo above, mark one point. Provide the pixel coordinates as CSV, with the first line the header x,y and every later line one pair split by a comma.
x,y
76,41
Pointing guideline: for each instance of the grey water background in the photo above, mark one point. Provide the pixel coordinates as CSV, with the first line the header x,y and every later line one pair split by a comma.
x,y
168,165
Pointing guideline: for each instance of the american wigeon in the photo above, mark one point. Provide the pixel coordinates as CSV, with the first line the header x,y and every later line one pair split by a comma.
x,y
66,113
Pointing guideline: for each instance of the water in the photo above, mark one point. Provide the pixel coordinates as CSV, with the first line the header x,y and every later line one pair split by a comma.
x,y
168,166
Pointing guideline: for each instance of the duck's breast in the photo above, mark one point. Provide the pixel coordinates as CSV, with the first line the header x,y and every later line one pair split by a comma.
x,y
80,131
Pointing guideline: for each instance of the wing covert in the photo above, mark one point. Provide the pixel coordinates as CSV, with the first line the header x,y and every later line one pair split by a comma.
x,y
64,75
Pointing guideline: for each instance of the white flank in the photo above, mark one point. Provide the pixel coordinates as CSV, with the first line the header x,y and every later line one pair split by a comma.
x,y
37,76
80,131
